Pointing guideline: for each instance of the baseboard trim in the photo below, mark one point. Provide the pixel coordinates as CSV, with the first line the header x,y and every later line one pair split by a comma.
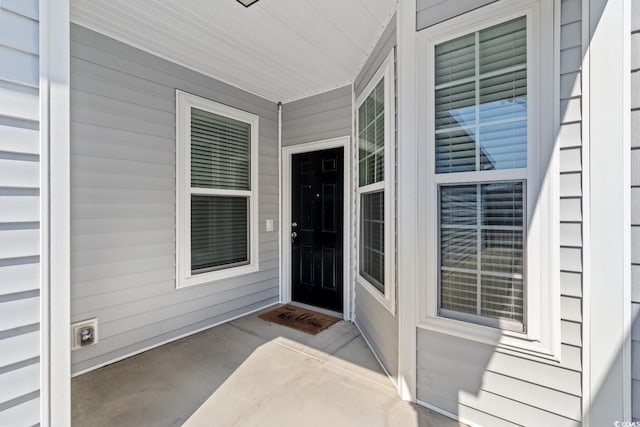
x,y
151,347
394,380
447,413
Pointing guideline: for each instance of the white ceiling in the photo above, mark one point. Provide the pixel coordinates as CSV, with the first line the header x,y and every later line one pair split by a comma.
x,y
279,49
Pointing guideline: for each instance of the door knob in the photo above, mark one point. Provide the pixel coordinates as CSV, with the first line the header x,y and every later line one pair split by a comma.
x,y
293,236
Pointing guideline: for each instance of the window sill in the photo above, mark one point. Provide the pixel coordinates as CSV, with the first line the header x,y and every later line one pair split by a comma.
x,y
384,300
514,343
214,276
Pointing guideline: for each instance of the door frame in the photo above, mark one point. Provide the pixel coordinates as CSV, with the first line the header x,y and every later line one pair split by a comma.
x,y
343,142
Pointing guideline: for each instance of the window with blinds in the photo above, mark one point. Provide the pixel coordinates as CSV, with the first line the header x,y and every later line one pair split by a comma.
x,y
371,135
216,200
375,146
480,109
220,160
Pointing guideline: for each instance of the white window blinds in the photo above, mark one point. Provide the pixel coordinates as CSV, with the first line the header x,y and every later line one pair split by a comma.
x,y
371,148
481,100
481,247
220,160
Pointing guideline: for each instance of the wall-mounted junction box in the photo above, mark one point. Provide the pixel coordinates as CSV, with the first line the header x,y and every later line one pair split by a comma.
x,y
84,334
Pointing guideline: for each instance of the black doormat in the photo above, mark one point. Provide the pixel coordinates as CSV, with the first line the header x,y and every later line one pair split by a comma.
x,y
304,320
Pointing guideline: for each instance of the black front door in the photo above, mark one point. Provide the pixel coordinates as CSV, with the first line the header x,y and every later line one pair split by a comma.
x,y
317,228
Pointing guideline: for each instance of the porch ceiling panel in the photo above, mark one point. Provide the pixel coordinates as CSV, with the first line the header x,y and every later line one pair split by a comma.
x,y
281,50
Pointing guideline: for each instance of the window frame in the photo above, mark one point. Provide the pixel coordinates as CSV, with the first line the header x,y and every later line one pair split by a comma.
x,y
541,338
184,276
385,71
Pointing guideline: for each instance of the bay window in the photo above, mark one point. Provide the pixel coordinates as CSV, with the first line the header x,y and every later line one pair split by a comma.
x,y
488,104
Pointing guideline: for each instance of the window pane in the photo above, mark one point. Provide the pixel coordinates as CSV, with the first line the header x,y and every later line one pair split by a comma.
x,y
481,100
503,46
371,129
482,249
372,238
502,253
220,151
219,232
456,59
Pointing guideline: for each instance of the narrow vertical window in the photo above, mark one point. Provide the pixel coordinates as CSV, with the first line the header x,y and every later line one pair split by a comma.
x,y
375,143
481,126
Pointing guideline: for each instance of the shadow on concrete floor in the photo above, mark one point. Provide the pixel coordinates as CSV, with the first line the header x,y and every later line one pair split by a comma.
x,y
248,373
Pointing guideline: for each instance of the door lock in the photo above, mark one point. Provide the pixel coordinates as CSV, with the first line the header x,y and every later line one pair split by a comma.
x,y
294,224
293,236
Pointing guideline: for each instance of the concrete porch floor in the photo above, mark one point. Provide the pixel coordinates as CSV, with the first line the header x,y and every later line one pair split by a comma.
x,y
248,373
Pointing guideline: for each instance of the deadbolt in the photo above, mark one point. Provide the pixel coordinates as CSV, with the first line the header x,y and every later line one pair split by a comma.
x,y
294,224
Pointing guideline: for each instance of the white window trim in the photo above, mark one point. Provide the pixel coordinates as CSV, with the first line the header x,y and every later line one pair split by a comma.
x,y
386,71
184,277
542,290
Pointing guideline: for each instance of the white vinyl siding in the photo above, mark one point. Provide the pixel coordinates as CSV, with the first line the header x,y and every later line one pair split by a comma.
x,y
317,118
19,214
123,183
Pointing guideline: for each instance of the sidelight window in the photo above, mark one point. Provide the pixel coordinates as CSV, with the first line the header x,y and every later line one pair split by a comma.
x,y
375,143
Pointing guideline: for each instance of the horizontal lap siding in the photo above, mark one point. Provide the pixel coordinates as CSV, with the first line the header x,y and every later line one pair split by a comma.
x,y
377,324
19,214
635,205
123,201
431,12
316,118
476,381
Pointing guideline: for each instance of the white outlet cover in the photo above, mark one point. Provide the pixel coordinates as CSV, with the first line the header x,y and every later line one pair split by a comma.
x,y
75,334
269,225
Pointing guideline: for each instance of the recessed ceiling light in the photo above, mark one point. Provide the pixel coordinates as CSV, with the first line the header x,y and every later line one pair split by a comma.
x,y
247,3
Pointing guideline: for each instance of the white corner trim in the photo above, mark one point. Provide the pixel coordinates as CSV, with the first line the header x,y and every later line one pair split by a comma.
x,y
608,202
55,211
407,199
280,240
386,72
287,152
184,276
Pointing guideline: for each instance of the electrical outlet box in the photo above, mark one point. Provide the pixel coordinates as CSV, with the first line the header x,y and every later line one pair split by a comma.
x,y
269,225
84,334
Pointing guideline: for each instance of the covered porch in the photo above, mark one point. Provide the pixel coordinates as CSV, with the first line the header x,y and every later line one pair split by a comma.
x,y
249,372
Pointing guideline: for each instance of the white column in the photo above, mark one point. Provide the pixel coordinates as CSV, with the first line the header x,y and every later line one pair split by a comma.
x,y
407,199
55,358
607,262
